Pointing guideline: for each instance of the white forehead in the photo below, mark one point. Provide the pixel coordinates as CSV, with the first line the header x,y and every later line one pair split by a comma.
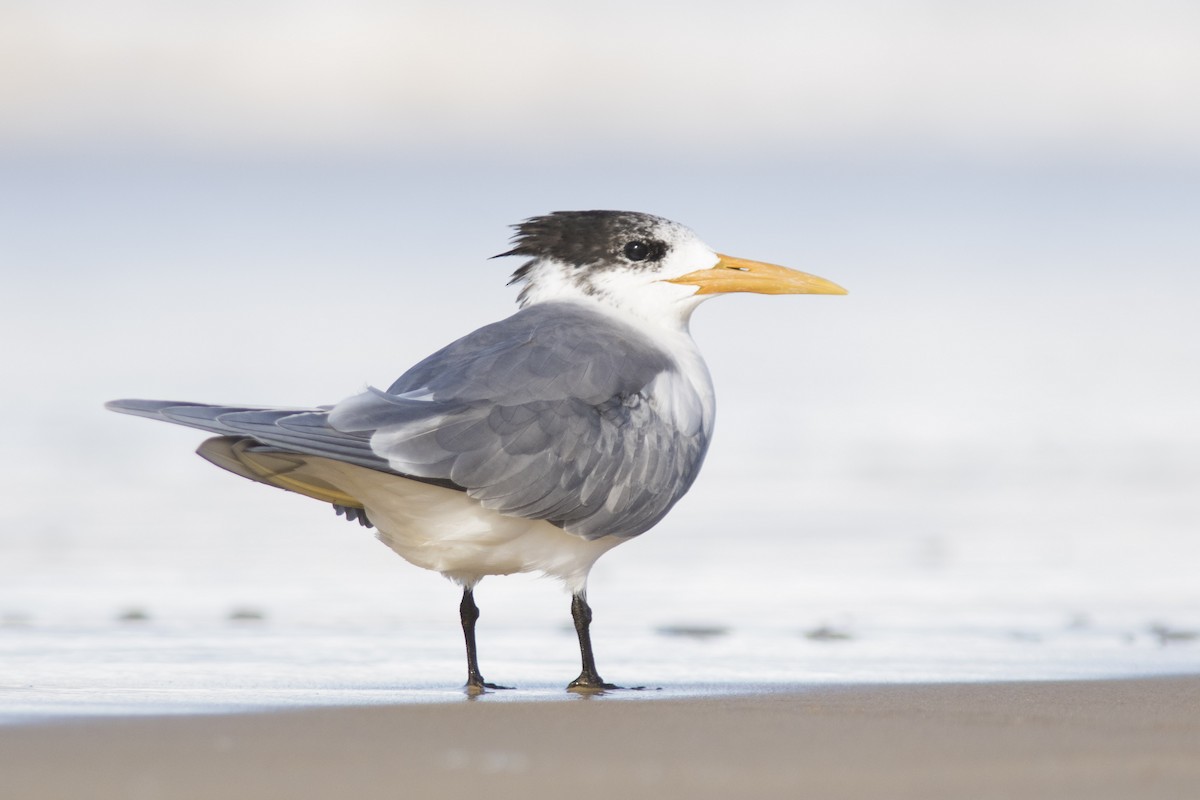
x,y
686,252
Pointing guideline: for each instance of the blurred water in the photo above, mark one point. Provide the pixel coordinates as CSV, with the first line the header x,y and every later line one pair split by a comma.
x,y
984,463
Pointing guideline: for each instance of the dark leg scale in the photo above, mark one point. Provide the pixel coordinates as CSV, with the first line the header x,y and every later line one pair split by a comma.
x,y
589,679
469,613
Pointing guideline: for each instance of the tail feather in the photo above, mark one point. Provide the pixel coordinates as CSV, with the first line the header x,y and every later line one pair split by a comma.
x,y
280,447
246,458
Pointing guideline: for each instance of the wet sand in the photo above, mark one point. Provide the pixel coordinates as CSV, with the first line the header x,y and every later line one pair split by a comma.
x,y
1087,739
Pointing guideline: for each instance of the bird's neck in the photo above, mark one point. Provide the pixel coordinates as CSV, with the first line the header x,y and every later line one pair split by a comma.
x,y
654,306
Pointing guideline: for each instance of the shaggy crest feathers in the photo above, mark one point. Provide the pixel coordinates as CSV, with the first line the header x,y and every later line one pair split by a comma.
x,y
584,239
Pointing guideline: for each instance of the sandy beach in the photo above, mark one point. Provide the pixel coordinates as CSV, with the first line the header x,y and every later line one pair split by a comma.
x,y
1085,739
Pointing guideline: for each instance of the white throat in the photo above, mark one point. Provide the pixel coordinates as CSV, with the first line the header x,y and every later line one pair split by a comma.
x,y
642,293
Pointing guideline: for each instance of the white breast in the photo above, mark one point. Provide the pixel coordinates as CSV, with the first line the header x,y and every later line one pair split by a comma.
x,y
686,396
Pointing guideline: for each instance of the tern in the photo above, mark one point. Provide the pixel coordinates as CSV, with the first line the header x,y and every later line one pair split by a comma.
x,y
533,444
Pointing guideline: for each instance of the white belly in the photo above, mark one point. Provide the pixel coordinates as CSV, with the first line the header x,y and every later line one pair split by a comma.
x,y
446,531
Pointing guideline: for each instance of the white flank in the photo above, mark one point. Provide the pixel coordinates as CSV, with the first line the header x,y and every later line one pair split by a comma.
x,y
446,531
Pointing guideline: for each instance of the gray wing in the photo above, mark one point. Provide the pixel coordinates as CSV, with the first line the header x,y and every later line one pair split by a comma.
x,y
293,430
549,414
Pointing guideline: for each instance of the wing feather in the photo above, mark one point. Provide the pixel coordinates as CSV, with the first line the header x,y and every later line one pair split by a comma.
x,y
560,412
549,414
293,430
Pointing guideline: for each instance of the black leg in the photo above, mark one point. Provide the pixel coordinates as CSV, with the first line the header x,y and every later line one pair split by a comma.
x,y
469,612
589,679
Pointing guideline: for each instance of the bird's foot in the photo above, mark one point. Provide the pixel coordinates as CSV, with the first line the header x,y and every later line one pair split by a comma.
x,y
480,686
594,684
587,687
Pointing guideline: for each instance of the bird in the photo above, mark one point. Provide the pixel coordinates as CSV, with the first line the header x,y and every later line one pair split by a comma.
x,y
534,444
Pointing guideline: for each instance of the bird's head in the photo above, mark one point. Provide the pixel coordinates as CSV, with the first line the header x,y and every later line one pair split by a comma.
x,y
643,264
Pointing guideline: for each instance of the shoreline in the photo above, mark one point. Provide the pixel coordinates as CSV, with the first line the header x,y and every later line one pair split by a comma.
x,y
1095,739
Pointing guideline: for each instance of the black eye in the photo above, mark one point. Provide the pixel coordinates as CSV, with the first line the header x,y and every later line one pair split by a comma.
x,y
637,251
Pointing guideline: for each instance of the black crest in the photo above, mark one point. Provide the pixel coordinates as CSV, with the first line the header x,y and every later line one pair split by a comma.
x,y
586,238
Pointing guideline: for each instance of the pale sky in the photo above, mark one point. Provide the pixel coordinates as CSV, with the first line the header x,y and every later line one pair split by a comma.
x,y
986,78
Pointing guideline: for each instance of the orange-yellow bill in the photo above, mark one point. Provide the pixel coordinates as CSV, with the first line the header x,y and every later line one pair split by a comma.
x,y
731,274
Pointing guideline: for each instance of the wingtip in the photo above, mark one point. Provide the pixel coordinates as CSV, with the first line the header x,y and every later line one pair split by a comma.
x,y
136,406
121,406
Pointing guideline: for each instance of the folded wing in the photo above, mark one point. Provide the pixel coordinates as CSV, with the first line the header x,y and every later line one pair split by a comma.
x,y
551,414
555,413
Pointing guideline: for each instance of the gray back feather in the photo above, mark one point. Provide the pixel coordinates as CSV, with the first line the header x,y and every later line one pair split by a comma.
x,y
545,415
